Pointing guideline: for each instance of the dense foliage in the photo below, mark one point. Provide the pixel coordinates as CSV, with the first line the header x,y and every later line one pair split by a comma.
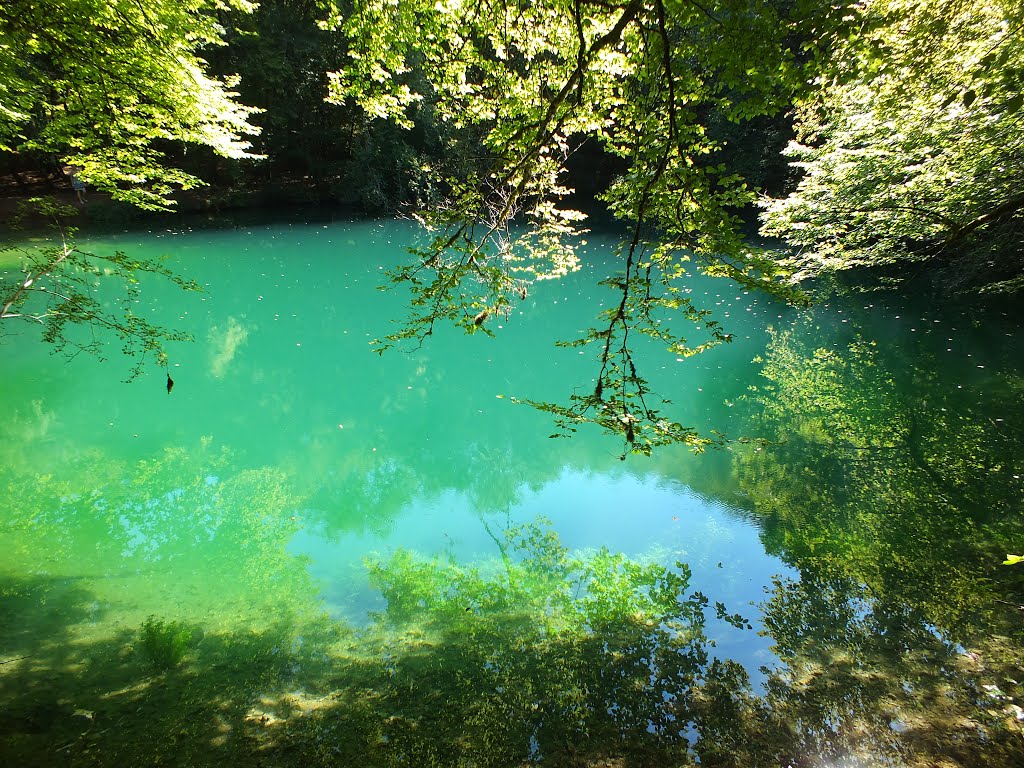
x,y
911,147
111,91
105,86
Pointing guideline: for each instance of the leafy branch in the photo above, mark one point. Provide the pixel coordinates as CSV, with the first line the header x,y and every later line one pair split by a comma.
x,y
60,286
531,83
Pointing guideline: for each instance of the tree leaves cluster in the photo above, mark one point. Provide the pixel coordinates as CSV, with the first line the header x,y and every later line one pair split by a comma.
x,y
910,147
110,86
530,83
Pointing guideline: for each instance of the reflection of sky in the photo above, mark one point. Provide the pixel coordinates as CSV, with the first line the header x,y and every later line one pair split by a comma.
x,y
646,518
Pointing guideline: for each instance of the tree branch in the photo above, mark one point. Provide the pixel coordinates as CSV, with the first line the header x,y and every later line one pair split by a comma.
x,y
1005,209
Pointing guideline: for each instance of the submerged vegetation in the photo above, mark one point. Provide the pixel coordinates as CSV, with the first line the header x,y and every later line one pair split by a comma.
x,y
163,643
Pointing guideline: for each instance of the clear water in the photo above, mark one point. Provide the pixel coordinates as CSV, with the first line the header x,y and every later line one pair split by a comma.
x,y
386,560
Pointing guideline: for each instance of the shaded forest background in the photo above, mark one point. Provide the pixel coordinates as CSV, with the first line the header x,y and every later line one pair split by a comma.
x,y
316,153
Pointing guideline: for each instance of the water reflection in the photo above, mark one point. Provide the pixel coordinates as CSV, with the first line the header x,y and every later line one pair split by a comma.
x,y
871,676
183,533
664,522
224,343
592,654
895,493
356,542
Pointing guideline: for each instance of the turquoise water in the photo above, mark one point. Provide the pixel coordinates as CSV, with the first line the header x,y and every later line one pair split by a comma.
x,y
372,553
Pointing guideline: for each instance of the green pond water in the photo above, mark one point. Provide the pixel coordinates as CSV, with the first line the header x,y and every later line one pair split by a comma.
x,y
311,554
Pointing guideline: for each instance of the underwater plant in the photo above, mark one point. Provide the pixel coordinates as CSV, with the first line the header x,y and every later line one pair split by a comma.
x,y
163,643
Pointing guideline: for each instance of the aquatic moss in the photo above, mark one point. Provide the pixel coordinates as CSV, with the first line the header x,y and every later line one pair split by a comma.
x,y
163,643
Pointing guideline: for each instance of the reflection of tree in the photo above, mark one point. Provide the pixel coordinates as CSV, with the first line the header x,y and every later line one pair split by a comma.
x,y
874,677
889,472
546,657
538,656
69,699
896,494
177,530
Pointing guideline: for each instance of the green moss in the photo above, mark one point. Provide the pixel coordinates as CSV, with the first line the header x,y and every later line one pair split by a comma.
x,y
163,643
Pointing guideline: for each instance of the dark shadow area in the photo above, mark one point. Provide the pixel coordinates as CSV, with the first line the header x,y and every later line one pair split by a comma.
x,y
545,657
69,700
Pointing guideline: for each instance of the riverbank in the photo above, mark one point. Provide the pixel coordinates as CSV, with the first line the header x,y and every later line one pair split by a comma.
x,y
100,212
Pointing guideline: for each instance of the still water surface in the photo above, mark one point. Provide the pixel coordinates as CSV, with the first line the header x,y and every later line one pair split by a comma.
x,y
387,560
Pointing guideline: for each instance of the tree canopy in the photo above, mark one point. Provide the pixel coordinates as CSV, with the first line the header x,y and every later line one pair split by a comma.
x,y
531,83
910,146
110,86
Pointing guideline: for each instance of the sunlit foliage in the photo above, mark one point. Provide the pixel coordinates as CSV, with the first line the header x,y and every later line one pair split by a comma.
x,y
911,146
529,83
112,90
110,86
